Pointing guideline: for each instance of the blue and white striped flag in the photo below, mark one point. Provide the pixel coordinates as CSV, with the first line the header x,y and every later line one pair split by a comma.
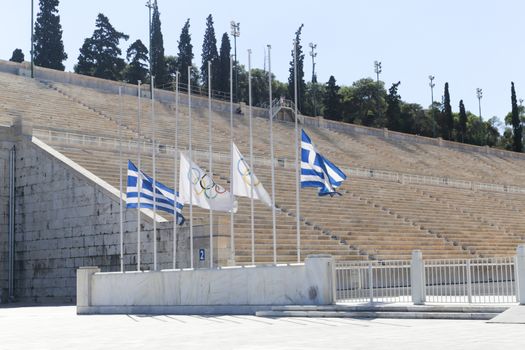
x,y
317,171
165,196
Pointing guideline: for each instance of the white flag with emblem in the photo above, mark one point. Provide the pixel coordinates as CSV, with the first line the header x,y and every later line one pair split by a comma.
x,y
242,180
206,193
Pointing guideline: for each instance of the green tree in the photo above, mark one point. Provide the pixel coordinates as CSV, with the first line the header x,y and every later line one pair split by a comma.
x,y
48,46
99,55
158,61
185,57
222,82
360,103
209,54
393,109
447,125
517,145
172,66
462,126
137,56
301,85
17,56
332,100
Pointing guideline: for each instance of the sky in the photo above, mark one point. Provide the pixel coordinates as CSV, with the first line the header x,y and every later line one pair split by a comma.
x,y
468,43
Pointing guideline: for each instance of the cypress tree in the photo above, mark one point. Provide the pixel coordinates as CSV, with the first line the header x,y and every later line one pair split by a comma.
x,y
448,122
158,61
517,144
185,52
17,56
462,128
137,56
223,67
209,53
393,109
301,85
99,55
49,48
332,100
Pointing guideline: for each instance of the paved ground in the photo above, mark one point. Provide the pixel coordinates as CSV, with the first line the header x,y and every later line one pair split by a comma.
x,y
60,328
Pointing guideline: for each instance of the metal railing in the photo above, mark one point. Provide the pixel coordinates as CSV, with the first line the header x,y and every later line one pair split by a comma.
x,y
109,143
472,281
490,280
373,281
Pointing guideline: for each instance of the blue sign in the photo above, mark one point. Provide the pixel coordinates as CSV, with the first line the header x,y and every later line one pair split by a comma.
x,y
202,254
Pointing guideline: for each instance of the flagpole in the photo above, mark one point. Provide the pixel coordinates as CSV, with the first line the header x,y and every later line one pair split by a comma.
x,y
154,151
297,165
252,225
274,233
139,181
191,170
210,158
120,180
232,234
175,170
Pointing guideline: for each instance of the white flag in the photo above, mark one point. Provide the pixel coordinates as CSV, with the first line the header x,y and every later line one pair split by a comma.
x,y
242,182
206,193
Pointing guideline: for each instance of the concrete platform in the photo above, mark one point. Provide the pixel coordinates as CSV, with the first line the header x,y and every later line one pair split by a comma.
x,y
515,314
60,328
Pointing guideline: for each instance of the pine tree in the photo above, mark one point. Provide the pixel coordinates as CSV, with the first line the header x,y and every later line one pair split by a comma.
x,y
17,56
99,55
462,128
185,52
137,56
223,67
448,123
517,145
49,48
301,85
158,61
209,53
332,100
393,109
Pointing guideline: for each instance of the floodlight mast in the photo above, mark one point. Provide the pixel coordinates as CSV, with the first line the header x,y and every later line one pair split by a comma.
x,y
432,84
235,32
479,95
313,54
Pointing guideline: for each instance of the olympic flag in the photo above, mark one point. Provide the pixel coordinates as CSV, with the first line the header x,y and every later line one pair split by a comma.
x,y
207,193
242,180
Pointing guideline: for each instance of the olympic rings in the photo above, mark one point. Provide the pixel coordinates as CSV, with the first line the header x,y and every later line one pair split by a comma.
x,y
203,183
246,174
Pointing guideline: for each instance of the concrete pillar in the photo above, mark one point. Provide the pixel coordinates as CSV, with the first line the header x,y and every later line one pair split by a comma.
x,y
320,274
417,280
520,273
84,275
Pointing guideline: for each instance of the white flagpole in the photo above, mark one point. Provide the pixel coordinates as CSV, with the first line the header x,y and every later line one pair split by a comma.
x,y
252,225
232,233
154,151
120,180
191,170
175,169
139,180
210,158
274,233
297,164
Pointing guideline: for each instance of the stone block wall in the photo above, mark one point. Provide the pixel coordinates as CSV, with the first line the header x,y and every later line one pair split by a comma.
x,y
64,221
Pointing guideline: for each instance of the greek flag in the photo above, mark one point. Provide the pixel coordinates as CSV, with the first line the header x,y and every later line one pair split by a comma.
x,y
165,196
317,171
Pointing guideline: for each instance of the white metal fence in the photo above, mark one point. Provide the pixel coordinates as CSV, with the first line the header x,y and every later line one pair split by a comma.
x,y
373,281
483,281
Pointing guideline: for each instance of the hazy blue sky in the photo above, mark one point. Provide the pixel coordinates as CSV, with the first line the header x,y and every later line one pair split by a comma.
x,y
468,43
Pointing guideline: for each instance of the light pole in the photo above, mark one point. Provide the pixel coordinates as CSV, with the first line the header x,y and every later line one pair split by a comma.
x,y
32,40
235,32
432,84
378,70
314,77
479,94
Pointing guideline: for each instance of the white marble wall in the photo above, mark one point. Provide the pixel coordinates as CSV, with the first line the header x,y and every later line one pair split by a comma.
x,y
311,283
